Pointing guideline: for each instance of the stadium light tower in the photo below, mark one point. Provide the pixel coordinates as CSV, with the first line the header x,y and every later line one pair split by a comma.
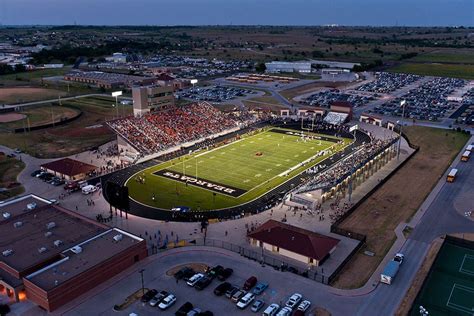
x,y
193,82
116,94
402,104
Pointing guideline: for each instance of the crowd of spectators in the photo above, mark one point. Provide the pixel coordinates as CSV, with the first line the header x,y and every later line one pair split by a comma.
x,y
429,101
325,98
386,82
160,130
343,168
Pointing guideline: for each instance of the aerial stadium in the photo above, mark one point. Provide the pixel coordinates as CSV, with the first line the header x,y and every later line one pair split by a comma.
x,y
245,171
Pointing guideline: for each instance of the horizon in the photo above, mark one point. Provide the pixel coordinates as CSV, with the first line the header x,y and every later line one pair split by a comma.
x,y
389,13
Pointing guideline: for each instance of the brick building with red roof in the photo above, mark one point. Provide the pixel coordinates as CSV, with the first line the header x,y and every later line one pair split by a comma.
x,y
293,242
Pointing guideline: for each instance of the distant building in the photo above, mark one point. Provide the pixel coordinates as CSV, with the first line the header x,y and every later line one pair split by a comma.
x,y
283,66
108,80
117,58
53,66
69,169
50,255
293,242
334,64
164,79
337,74
150,98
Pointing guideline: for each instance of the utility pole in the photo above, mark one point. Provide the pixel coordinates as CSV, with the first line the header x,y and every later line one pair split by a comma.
x,y
143,284
402,103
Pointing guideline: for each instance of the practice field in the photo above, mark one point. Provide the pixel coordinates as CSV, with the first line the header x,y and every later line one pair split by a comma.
x,y
231,174
449,289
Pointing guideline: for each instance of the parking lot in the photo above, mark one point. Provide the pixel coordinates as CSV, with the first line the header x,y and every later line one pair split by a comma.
x,y
325,98
215,93
426,102
386,82
281,286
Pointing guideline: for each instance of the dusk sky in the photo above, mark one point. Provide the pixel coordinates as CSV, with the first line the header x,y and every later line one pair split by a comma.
x,y
243,12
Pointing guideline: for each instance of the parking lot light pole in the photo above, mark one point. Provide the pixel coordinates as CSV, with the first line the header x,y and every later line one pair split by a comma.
x,y
116,94
143,284
402,104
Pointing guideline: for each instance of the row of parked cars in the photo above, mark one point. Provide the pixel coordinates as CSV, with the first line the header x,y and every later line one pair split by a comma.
x,y
70,186
214,93
47,177
244,296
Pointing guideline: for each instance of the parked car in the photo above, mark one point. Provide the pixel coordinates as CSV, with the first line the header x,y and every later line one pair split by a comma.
x,y
285,311
167,302
57,182
149,295
194,279
271,310
250,283
222,288
245,300
304,306
230,292
184,309
238,295
194,312
259,288
257,305
184,273
215,271
294,300
36,172
88,189
227,272
71,186
203,283
158,298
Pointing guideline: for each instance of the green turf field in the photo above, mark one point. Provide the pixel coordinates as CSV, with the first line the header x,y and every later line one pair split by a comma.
x,y
449,288
250,166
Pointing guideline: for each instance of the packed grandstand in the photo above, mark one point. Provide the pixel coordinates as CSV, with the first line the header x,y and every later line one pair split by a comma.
x,y
160,130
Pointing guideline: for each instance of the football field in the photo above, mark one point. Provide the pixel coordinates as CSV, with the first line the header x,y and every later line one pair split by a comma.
x,y
234,173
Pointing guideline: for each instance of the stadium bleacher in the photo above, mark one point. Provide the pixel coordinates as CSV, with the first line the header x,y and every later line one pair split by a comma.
x,y
157,131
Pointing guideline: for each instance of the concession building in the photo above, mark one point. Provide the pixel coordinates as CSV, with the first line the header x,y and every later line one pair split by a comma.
x,y
293,242
51,255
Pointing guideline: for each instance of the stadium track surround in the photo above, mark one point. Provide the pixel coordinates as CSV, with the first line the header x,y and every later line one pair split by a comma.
x,y
115,196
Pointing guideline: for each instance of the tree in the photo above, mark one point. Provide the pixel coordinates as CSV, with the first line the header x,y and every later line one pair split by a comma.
x,y
260,67
4,309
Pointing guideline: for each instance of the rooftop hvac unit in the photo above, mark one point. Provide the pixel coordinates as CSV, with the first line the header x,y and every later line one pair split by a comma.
x,y
47,234
58,243
118,237
6,215
17,224
7,252
50,225
42,249
76,249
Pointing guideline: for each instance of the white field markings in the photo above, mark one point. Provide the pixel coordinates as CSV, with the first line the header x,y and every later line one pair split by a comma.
x,y
462,308
462,269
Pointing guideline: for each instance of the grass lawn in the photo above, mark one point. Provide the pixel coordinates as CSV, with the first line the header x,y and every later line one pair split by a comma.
x,y
42,115
15,95
457,57
236,165
36,74
440,70
9,170
81,134
398,199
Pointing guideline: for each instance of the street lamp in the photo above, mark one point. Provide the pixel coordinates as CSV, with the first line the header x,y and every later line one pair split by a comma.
x,y
402,104
116,94
143,285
